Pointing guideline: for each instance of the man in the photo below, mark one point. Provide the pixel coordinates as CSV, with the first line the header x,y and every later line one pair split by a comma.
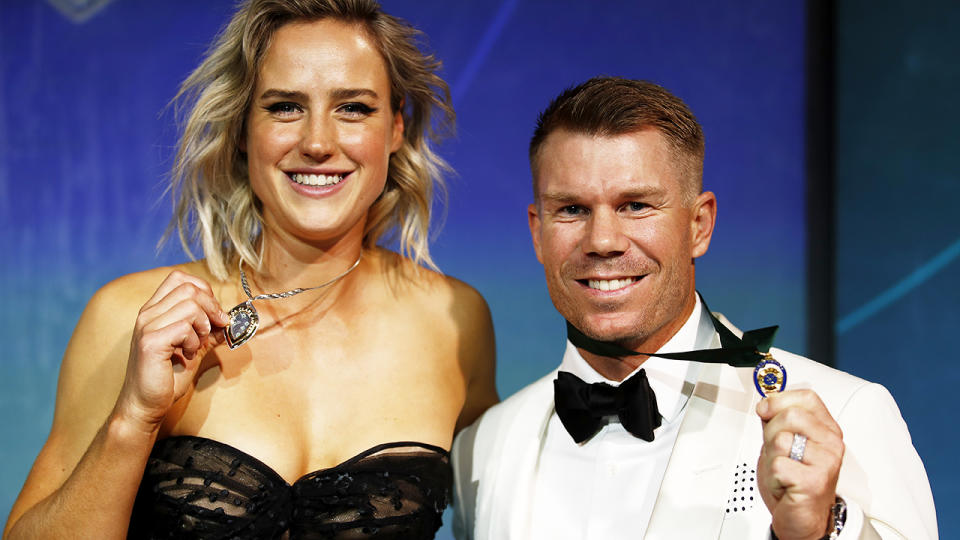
x,y
618,219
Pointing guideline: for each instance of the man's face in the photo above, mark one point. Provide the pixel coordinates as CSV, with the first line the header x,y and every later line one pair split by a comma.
x,y
617,232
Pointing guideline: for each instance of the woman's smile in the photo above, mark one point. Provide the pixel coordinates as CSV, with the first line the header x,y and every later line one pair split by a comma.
x,y
318,185
320,130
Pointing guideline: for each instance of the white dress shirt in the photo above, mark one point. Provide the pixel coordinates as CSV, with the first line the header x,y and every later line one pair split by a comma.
x,y
605,488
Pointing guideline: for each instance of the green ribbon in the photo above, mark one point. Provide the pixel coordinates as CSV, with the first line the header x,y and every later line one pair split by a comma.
x,y
746,351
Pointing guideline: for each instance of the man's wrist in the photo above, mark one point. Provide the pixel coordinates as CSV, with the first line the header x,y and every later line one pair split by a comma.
x,y
838,518
835,521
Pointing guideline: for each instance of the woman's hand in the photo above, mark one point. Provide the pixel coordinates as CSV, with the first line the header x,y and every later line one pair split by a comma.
x,y
173,331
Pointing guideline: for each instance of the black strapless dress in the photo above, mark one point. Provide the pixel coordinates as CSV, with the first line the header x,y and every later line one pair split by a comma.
x,y
199,488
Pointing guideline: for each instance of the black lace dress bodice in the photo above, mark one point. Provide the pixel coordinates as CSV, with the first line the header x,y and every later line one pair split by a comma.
x,y
199,488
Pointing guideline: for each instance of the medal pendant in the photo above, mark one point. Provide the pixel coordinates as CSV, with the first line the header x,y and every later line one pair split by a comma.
x,y
769,376
244,321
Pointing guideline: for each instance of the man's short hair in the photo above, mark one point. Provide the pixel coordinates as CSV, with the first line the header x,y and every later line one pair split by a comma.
x,y
610,106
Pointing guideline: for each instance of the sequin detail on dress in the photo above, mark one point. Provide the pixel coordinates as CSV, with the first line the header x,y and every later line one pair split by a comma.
x,y
202,489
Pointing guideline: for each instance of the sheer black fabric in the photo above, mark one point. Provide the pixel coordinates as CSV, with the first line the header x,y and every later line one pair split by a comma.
x,y
199,488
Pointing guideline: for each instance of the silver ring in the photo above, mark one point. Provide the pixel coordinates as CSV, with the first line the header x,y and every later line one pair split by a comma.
x,y
798,447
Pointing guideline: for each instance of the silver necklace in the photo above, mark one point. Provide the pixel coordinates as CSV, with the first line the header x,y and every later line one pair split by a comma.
x,y
244,319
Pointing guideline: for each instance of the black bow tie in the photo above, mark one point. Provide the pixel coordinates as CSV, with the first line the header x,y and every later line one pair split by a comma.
x,y
581,406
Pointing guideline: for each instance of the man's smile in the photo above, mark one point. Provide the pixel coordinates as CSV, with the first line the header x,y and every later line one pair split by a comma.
x,y
614,284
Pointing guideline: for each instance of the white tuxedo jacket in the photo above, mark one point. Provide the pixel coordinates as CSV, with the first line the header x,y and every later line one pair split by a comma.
x,y
882,478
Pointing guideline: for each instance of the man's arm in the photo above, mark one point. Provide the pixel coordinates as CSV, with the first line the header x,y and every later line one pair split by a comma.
x,y
465,485
882,472
870,463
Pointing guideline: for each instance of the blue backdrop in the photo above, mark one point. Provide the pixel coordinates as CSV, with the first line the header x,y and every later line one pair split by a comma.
x,y
898,237
85,144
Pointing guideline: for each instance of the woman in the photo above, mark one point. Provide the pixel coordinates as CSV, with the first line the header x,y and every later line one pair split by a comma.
x,y
315,413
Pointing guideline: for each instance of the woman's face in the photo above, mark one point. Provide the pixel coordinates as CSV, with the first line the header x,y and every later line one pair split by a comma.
x,y
320,131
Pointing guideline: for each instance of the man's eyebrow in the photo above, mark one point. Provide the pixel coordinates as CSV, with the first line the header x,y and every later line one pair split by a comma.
x,y
564,197
640,193
558,197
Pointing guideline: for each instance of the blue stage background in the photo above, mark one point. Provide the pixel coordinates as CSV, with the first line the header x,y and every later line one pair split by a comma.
x,y
86,142
897,235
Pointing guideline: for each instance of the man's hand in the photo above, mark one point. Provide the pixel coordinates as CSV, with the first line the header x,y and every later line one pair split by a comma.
x,y
799,494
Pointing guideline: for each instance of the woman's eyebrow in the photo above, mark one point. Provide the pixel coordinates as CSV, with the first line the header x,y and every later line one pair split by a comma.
x,y
336,94
283,94
350,93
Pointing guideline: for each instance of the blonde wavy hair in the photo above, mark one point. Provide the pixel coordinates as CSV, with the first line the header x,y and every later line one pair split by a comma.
x,y
213,202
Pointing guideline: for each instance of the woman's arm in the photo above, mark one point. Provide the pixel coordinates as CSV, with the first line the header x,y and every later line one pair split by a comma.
x,y
477,355
116,385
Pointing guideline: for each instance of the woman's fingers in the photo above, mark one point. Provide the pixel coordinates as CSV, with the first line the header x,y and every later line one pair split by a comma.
x,y
172,281
189,292
187,310
162,344
173,329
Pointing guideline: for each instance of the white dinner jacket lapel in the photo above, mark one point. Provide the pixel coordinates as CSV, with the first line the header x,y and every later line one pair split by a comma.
x,y
518,464
704,456
701,467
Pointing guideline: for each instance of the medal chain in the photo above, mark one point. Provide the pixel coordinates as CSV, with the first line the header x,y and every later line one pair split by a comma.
x,y
292,292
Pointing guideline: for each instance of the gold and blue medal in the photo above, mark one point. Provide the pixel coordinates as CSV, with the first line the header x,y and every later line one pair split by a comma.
x,y
769,376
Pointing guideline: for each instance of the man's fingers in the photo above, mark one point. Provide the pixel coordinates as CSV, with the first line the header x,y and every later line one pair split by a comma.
x,y
802,421
814,453
806,400
798,479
